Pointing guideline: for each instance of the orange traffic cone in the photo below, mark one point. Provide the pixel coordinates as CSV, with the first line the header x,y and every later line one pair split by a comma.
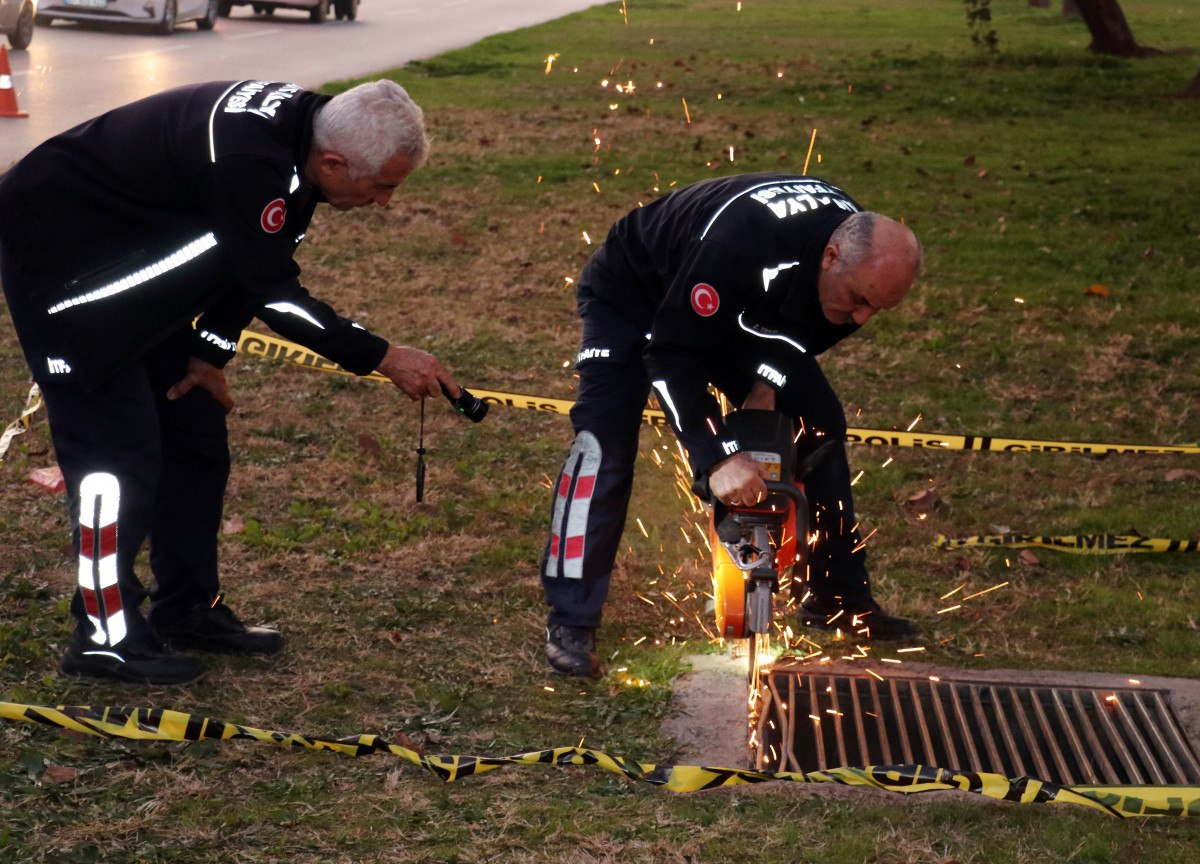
x,y
8,96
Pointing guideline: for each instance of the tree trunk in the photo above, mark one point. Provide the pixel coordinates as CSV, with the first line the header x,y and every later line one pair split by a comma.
x,y
1192,91
1110,31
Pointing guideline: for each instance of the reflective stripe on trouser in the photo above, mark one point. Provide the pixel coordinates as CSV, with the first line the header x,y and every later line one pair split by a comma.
x,y
591,496
99,503
572,501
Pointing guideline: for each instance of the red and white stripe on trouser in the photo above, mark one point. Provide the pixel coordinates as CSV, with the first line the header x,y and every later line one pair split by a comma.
x,y
99,501
568,525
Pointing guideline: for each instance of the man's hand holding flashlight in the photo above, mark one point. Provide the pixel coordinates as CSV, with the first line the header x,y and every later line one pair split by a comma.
x,y
416,372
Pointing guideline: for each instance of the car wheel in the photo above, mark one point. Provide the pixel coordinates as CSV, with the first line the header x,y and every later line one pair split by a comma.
x,y
166,26
210,16
224,7
320,12
20,38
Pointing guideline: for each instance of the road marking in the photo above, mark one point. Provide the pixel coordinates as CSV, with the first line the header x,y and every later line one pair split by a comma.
x,y
254,35
138,54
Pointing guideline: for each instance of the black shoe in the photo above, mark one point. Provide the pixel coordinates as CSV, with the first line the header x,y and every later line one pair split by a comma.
x,y
572,650
217,630
863,619
142,664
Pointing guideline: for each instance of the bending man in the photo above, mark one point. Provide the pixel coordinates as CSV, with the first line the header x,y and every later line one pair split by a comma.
x,y
739,283
115,236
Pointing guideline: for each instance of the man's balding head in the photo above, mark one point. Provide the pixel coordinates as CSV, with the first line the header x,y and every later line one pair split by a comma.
x,y
868,264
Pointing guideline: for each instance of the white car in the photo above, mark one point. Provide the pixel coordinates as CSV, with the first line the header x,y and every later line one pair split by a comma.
x,y
318,10
16,21
160,15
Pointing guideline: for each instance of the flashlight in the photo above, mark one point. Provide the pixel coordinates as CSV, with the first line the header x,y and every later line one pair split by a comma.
x,y
467,404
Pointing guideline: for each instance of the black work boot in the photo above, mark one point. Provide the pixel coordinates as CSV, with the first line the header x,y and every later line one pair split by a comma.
x,y
217,630
145,663
572,650
861,618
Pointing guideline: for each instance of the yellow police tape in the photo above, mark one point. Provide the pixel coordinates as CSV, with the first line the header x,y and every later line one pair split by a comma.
x,y
32,403
1080,544
274,348
153,724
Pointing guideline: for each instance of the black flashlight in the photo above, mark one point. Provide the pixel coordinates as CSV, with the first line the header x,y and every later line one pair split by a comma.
x,y
467,404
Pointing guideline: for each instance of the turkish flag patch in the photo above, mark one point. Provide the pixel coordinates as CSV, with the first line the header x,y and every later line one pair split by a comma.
x,y
273,216
705,300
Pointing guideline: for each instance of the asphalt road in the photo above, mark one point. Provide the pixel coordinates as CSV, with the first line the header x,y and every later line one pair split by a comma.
x,y
72,72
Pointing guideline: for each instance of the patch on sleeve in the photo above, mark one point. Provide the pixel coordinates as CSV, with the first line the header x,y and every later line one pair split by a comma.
x,y
705,300
273,216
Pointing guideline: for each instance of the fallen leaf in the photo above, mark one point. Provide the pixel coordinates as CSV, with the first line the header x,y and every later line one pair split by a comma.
x,y
60,774
1096,290
235,524
924,501
1181,474
1001,529
1028,558
369,444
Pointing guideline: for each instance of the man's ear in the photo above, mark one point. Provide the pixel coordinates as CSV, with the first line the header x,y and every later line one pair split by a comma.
x,y
329,161
829,256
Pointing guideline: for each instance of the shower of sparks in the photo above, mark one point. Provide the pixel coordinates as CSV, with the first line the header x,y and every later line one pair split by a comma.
x,y
730,151
864,541
857,477
812,140
645,533
686,113
888,462
624,13
985,591
949,594
550,62
586,238
915,421
949,609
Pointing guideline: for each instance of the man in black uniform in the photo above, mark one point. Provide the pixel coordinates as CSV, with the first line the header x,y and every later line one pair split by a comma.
x,y
738,282
114,237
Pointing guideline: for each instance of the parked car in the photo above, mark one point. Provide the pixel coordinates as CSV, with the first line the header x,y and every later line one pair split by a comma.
x,y
16,21
318,10
162,16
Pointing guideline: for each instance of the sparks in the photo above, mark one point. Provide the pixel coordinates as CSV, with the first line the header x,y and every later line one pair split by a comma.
x,y
686,114
857,477
550,62
915,421
984,591
949,609
813,139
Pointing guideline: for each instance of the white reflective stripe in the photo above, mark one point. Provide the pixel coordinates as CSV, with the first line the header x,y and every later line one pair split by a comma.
x,y
293,309
778,336
212,117
99,503
6,82
295,181
572,504
769,273
665,396
188,253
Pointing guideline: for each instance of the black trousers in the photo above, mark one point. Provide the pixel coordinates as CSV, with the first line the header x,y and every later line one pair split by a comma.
x,y
170,461
590,500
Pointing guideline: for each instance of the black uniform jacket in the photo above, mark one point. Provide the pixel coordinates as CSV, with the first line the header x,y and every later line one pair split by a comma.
x,y
188,203
721,274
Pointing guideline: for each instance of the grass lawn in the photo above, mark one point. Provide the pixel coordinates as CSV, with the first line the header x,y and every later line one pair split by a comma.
x,y
1054,192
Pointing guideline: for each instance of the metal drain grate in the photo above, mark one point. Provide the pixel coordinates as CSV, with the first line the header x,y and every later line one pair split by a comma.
x,y
1067,735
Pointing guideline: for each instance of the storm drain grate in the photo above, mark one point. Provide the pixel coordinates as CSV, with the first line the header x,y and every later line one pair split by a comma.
x,y
1066,735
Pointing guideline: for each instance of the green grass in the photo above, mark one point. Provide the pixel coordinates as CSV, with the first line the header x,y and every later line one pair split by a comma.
x,y
1032,173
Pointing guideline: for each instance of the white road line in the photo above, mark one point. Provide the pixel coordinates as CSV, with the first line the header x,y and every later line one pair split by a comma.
x,y
137,54
254,35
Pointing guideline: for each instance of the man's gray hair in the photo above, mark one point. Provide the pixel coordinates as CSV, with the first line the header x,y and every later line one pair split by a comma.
x,y
855,236
369,125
